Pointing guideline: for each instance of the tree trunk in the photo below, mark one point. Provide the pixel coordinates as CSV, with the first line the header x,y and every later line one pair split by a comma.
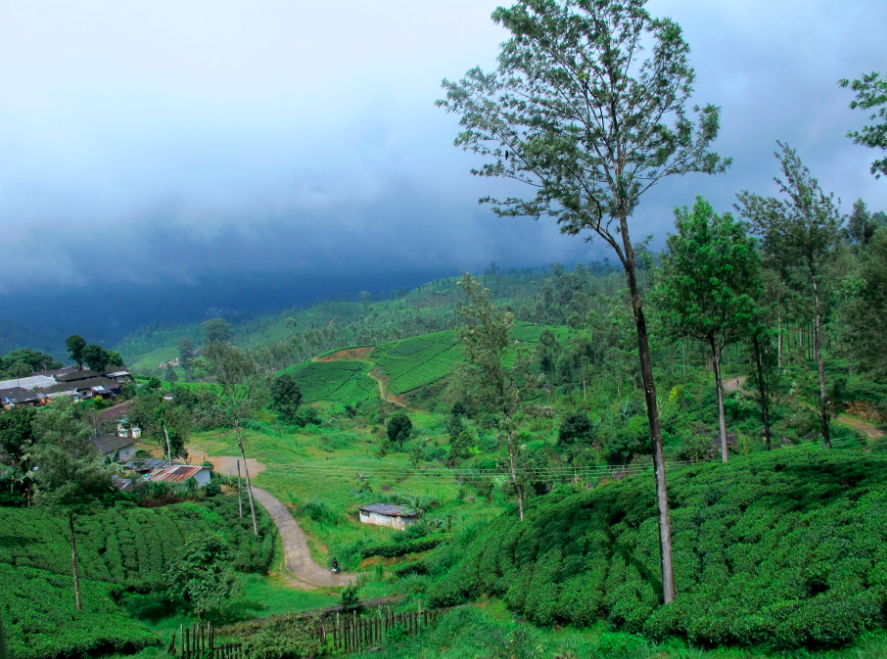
x,y
762,390
668,587
823,397
168,446
779,343
249,487
77,598
239,493
719,385
517,486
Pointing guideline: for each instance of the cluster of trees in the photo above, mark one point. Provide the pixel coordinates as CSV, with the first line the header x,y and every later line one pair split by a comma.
x,y
24,362
575,114
93,355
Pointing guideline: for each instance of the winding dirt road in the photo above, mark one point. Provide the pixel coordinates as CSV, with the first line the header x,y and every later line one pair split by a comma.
x,y
295,546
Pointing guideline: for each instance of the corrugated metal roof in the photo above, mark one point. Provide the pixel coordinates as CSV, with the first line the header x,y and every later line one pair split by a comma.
x,y
388,510
38,381
176,473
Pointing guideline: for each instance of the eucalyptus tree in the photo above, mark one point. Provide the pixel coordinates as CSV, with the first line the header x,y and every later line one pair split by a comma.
x,y
799,230
497,370
577,113
709,285
243,390
871,92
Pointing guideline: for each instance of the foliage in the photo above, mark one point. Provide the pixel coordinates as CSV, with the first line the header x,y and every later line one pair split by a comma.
x,y
871,92
217,330
95,357
123,547
75,344
785,549
399,428
390,550
576,428
201,575
21,363
286,396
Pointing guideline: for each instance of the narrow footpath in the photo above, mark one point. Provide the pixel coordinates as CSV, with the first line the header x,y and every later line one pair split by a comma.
x,y
295,546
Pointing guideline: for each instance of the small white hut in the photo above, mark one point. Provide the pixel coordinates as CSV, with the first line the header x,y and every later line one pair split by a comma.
x,y
397,517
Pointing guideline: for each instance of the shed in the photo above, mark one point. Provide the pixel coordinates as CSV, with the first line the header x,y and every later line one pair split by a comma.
x,y
181,473
110,445
381,514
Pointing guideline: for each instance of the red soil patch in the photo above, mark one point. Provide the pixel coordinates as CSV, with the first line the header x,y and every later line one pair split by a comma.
x,y
347,354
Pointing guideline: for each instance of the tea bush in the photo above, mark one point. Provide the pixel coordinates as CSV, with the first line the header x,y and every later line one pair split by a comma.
x,y
121,549
787,549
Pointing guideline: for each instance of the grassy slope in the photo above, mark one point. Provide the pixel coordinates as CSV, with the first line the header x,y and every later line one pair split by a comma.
x,y
787,548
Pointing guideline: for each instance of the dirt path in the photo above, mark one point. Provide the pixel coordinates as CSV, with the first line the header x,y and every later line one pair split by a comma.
x,y
385,393
870,430
226,464
295,546
734,383
362,354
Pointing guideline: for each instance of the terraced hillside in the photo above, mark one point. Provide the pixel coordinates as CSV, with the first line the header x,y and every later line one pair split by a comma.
x,y
348,375
342,381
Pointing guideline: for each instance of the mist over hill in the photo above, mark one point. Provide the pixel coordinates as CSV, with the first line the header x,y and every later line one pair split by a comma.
x,y
106,313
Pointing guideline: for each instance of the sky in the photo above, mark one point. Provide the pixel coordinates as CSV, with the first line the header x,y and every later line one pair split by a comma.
x,y
143,143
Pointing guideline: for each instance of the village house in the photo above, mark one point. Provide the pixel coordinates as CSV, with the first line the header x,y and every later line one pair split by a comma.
x,y
395,517
154,470
16,397
115,447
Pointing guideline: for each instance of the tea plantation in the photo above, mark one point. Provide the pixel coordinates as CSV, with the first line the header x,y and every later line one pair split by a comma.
x,y
412,363
124,549
786,550
343,381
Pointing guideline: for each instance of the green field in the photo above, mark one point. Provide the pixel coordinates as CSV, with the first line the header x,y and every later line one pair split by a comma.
x,y
337,381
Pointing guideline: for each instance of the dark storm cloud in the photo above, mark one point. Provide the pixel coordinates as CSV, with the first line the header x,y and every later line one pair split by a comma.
x,y
211,138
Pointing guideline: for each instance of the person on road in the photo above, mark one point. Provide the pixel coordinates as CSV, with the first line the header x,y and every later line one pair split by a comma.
x,y
335,566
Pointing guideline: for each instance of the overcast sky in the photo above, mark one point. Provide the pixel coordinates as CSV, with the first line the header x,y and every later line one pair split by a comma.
x,y
174,139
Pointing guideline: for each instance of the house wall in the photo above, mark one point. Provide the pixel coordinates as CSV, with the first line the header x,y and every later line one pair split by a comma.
x,y
202,477
127,453
386,520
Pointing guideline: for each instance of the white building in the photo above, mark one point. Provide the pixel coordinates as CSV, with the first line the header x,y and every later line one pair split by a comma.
x,y
380,514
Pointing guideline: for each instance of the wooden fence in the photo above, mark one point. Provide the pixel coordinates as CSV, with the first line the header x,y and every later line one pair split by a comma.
x,y
348,633
199,642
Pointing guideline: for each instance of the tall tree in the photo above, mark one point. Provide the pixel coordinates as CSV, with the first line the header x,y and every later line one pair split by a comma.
x,y
242,391
217,330
709,286
286,396
497,370
871,92
799,230
187,353
95,356
76,344
574,112
69,478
